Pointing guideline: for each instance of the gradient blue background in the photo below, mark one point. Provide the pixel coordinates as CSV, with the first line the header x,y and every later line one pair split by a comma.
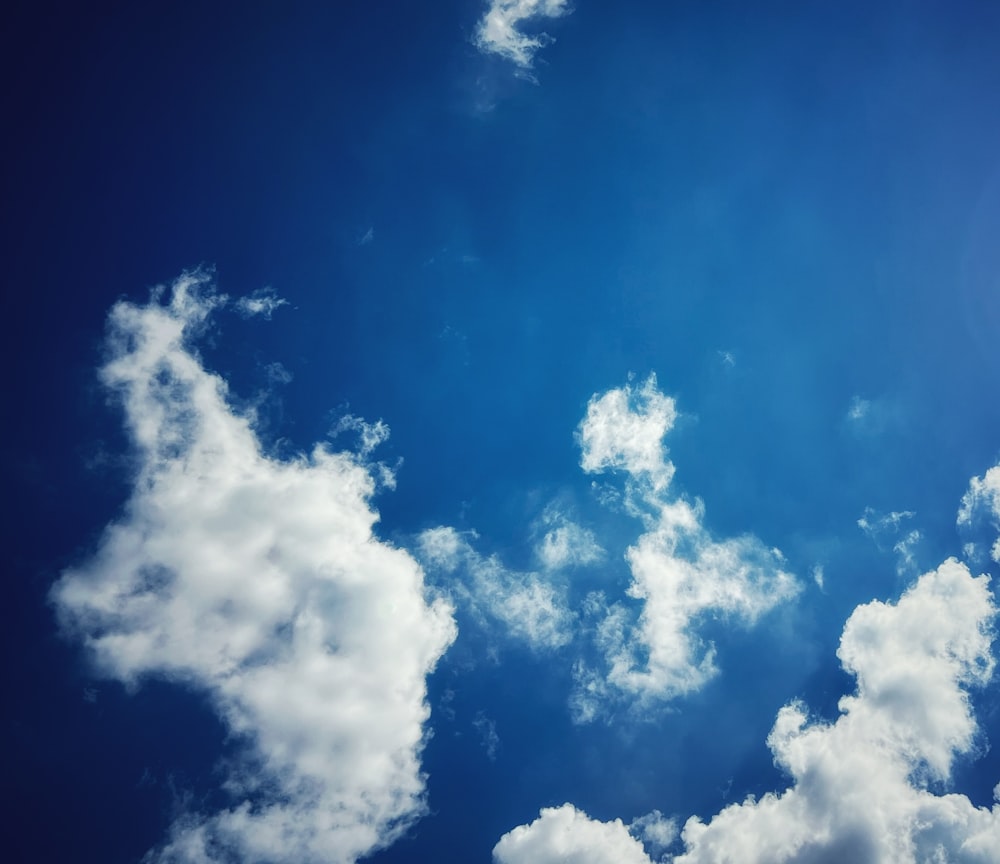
x,y
811,187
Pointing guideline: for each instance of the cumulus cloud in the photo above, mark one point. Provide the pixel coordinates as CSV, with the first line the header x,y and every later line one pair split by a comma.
x,y
680,572
863,787
262,302
983,499
261,583
499,31
564,834
529,607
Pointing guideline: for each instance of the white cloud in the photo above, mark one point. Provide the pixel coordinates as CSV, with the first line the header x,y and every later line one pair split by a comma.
x,y
624,430
370,435
861,786
818,577
566,544
883,528
262,302
656,832
498,32
564,834
679,571
261,583
983,495
529,607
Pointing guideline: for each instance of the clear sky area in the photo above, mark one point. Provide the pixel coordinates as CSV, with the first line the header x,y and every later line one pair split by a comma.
x,y
524,431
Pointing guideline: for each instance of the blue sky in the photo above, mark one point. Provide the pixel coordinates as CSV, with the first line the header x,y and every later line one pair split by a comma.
x,y
524,432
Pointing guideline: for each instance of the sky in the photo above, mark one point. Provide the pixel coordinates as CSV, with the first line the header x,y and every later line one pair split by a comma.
x,y
518,431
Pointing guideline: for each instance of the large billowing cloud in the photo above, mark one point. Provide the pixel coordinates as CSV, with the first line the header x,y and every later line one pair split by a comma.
x,y
259,582
862,786
679,571
498,32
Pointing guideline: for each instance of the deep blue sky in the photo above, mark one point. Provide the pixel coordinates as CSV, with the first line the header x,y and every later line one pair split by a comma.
x,y
783,210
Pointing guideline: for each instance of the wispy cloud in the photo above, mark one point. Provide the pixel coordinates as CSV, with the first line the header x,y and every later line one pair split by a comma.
x,y
488,736
679,571
499,30
983,500
530,607
370,435
564,543
885,528
869,418
261,583
262,302
861,786
859,409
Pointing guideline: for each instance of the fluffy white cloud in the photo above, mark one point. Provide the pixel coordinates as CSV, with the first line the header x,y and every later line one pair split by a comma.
x,y
983,495
261,583
498,32
863,786
860,785
529,607
624,430
679,571
564,834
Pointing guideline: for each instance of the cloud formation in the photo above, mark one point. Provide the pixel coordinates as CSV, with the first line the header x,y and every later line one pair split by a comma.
x,y
862,786
529,607
259,582
566,544
499,30
884,528
262,302
983,498
563,834
680,572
